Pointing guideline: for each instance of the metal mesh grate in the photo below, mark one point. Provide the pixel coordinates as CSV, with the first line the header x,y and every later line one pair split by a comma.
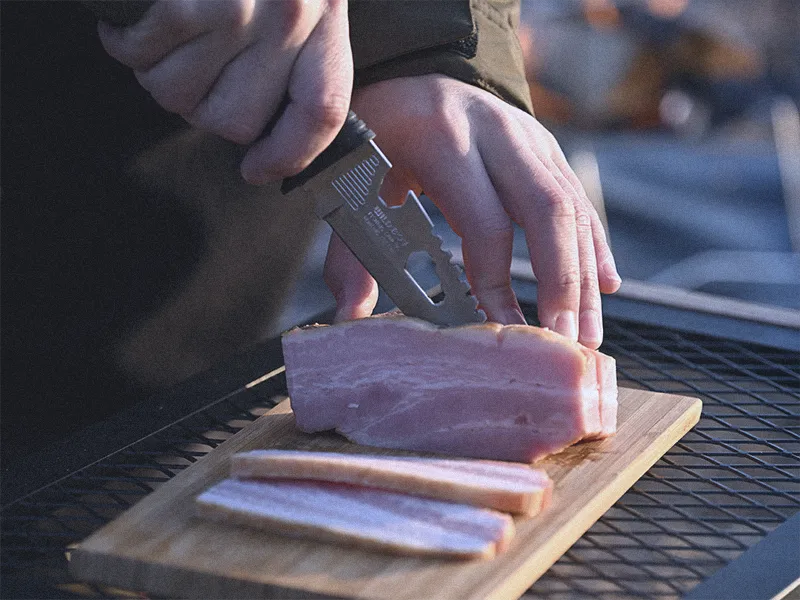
x,y
727,484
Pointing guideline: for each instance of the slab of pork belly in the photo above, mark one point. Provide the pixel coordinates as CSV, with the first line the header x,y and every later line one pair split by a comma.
x,y
504,486
512,392
368,517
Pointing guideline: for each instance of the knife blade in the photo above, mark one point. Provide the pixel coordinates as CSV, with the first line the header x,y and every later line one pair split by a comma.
x,y
344,183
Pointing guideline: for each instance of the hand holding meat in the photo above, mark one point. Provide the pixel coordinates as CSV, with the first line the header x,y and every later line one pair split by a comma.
x,y
226,66
486,165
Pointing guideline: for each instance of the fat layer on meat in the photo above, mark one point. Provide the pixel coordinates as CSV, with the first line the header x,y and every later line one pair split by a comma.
x,y
373,518
512,392
509,487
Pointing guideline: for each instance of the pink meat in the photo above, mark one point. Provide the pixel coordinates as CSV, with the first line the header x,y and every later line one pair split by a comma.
x,y
369,517
607,387
510,392
607,376
509,487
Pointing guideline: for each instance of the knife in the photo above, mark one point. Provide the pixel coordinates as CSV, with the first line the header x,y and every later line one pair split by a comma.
x,y
343,183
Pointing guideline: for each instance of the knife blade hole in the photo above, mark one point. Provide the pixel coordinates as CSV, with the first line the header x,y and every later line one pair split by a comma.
x,y
420,267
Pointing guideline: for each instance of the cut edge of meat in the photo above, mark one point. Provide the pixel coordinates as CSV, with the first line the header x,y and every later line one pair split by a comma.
x,y
607,367
522,496
608,393
207,506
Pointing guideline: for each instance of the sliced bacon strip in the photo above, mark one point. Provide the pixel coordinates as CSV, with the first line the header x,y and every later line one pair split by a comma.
x,y
368,517
509,487
512,392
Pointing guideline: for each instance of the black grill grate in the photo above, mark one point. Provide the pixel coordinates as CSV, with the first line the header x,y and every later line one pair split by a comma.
x,y
727,484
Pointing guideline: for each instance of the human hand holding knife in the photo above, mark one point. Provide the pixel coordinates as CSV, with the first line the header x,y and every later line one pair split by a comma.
x,y
487,164
343,181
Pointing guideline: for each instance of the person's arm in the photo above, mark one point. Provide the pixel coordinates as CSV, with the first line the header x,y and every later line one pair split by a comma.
x,y
433,100
472,41
273,75
487,164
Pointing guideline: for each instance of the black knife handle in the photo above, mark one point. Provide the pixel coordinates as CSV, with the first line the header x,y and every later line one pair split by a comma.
x,y
353,133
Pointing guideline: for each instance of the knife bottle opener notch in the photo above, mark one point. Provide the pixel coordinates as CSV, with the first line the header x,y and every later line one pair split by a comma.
x,y
344,182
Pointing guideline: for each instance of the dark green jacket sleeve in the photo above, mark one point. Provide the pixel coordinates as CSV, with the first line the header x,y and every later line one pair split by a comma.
x,y
470,40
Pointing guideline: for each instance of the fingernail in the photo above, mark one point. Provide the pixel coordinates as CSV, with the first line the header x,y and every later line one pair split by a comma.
x,y
591,327
567,324
610,270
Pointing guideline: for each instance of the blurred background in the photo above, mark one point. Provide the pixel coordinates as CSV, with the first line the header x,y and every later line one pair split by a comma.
x,y
681,119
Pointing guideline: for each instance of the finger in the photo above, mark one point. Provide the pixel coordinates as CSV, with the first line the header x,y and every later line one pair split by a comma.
x,y
590,322
491,283
319,98
473,209
608,276
167,25
534,198
182,79
396,185
245,96
354,289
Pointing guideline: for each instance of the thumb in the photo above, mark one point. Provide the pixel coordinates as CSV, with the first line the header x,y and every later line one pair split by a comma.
x,y
354,289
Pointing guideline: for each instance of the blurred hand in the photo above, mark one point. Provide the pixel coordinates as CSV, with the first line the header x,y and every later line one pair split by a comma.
x,y
486,165
226,65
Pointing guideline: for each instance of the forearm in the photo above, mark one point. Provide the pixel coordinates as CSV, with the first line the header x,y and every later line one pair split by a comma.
x,y
470,40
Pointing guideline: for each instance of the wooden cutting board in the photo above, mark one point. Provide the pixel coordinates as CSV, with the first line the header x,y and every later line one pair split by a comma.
x,y
159,547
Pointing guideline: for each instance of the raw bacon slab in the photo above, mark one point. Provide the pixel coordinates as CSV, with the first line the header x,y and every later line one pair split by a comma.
x,y
363,516
511,392
508,487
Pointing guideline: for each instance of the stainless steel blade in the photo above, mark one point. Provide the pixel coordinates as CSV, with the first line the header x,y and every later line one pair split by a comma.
x,y
383,237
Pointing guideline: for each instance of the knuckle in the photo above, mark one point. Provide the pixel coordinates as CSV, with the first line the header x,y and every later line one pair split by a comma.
x,y
170,97
583,221
569,279
328,113
447,134
236,129
126,50
289,165
588,281
136,60
503,122
558,203
231,127
178,15
551,142
497,289
235,12
442,120
291,15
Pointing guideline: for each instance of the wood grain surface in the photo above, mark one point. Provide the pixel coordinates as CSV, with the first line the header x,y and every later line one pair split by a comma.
x,y
160,547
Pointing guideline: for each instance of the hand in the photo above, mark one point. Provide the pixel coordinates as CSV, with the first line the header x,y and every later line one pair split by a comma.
x,y
486,165
226,65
